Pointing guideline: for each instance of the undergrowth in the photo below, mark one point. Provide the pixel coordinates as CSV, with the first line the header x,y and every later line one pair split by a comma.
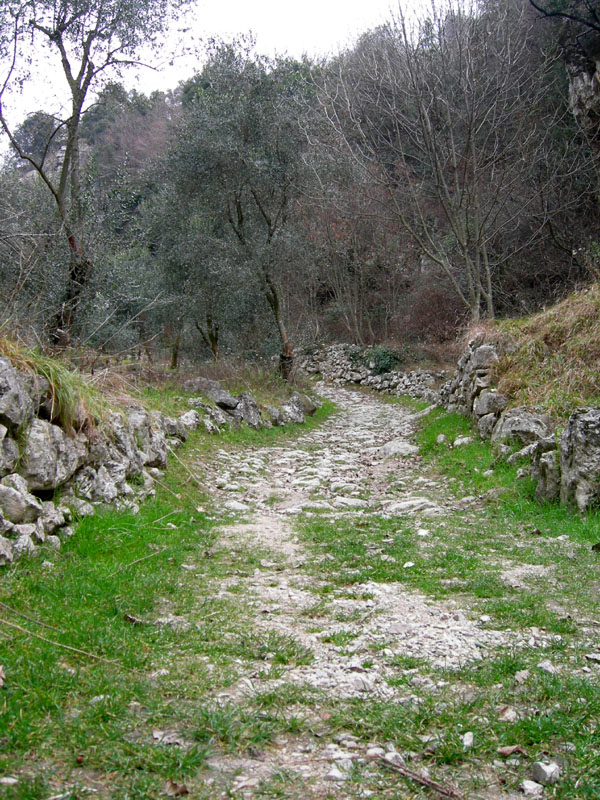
x,y
551,360
74,403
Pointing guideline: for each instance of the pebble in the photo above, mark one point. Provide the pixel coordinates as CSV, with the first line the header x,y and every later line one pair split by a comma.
x,y
546,773
548,667
532,789
467,740
335,774
395,758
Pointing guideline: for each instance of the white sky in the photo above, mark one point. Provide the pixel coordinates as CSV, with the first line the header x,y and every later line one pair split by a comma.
x,y
312,27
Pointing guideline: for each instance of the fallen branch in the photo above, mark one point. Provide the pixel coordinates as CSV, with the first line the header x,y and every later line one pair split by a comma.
x,y
137,561
186,468
444,791
166,488
59,644
170,514
28,618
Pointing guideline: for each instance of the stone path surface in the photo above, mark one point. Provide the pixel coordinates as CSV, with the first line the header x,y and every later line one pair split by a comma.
x,y
341,470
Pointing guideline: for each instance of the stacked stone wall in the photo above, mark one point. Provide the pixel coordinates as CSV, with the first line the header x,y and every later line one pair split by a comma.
x,y
49,477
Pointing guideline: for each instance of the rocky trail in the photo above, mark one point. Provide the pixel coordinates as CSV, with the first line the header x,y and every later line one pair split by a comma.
x,y
376,644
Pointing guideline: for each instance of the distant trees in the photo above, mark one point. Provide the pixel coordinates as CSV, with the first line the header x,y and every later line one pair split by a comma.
x,y
457,122
420,178
579,40
88,38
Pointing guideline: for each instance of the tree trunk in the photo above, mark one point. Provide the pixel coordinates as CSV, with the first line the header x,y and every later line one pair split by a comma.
x,y
286,357
210,335
62,322
175,350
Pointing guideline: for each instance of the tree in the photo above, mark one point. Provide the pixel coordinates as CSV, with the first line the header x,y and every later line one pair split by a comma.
x,y
579,41
238,150
457,122
89,39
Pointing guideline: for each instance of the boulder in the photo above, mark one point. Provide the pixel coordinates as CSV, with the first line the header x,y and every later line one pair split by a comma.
x,y
275,415
547,472
33,530
517,424
489,402
23,545
309,406
249,411
9,452
172,427
17,504
6,551
580,459
50,457
191,420
483,357
121,435
16,405
149,437
485,425
212,389
52,517
292,410
398,448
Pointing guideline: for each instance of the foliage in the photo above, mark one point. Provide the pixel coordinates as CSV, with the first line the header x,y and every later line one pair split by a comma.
x,y
86,40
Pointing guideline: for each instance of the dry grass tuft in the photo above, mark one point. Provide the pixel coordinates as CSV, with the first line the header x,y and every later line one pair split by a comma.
x,y
75,404
551,360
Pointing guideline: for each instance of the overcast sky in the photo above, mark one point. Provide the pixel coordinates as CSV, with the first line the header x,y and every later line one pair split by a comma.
x,y
314,27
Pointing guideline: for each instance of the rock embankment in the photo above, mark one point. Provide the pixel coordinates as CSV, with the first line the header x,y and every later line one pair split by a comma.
x,y
49,476
564,458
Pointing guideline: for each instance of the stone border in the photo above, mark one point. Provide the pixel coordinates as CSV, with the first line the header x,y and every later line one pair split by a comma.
x,y
115,464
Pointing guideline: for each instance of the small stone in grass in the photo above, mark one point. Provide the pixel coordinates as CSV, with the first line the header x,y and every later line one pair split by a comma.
x,y
336,774
467,740
545,772
532,789
408,564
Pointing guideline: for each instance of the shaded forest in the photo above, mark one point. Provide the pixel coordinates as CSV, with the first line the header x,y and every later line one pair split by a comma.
x,y
430,176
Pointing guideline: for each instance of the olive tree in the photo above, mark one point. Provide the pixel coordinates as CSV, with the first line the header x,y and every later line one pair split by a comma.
x,y
238,151
84,41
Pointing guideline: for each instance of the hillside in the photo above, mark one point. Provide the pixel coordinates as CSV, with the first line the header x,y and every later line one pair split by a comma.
x,y
550,361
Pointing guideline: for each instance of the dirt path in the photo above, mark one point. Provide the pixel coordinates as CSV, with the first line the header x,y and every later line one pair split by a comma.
x,y
353,641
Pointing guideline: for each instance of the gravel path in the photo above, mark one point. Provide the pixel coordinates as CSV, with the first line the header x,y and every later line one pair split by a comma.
x,y
337,471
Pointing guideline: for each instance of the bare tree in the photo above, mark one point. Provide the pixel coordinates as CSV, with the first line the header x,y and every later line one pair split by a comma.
x,y
456,120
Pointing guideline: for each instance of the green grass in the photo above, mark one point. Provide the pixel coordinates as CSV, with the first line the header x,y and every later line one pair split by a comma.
x,y
90,673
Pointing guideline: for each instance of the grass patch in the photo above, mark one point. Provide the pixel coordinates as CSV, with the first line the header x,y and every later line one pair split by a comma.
x,y
130,622
73,403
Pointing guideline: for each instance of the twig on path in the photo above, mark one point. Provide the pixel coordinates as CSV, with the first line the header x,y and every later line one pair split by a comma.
x,y
444,791
166,488
137,561
28,618
59,644
186,468
164,516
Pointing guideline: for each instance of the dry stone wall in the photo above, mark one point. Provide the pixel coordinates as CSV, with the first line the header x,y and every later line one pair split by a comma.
x,y
350,364
49,477
564,461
